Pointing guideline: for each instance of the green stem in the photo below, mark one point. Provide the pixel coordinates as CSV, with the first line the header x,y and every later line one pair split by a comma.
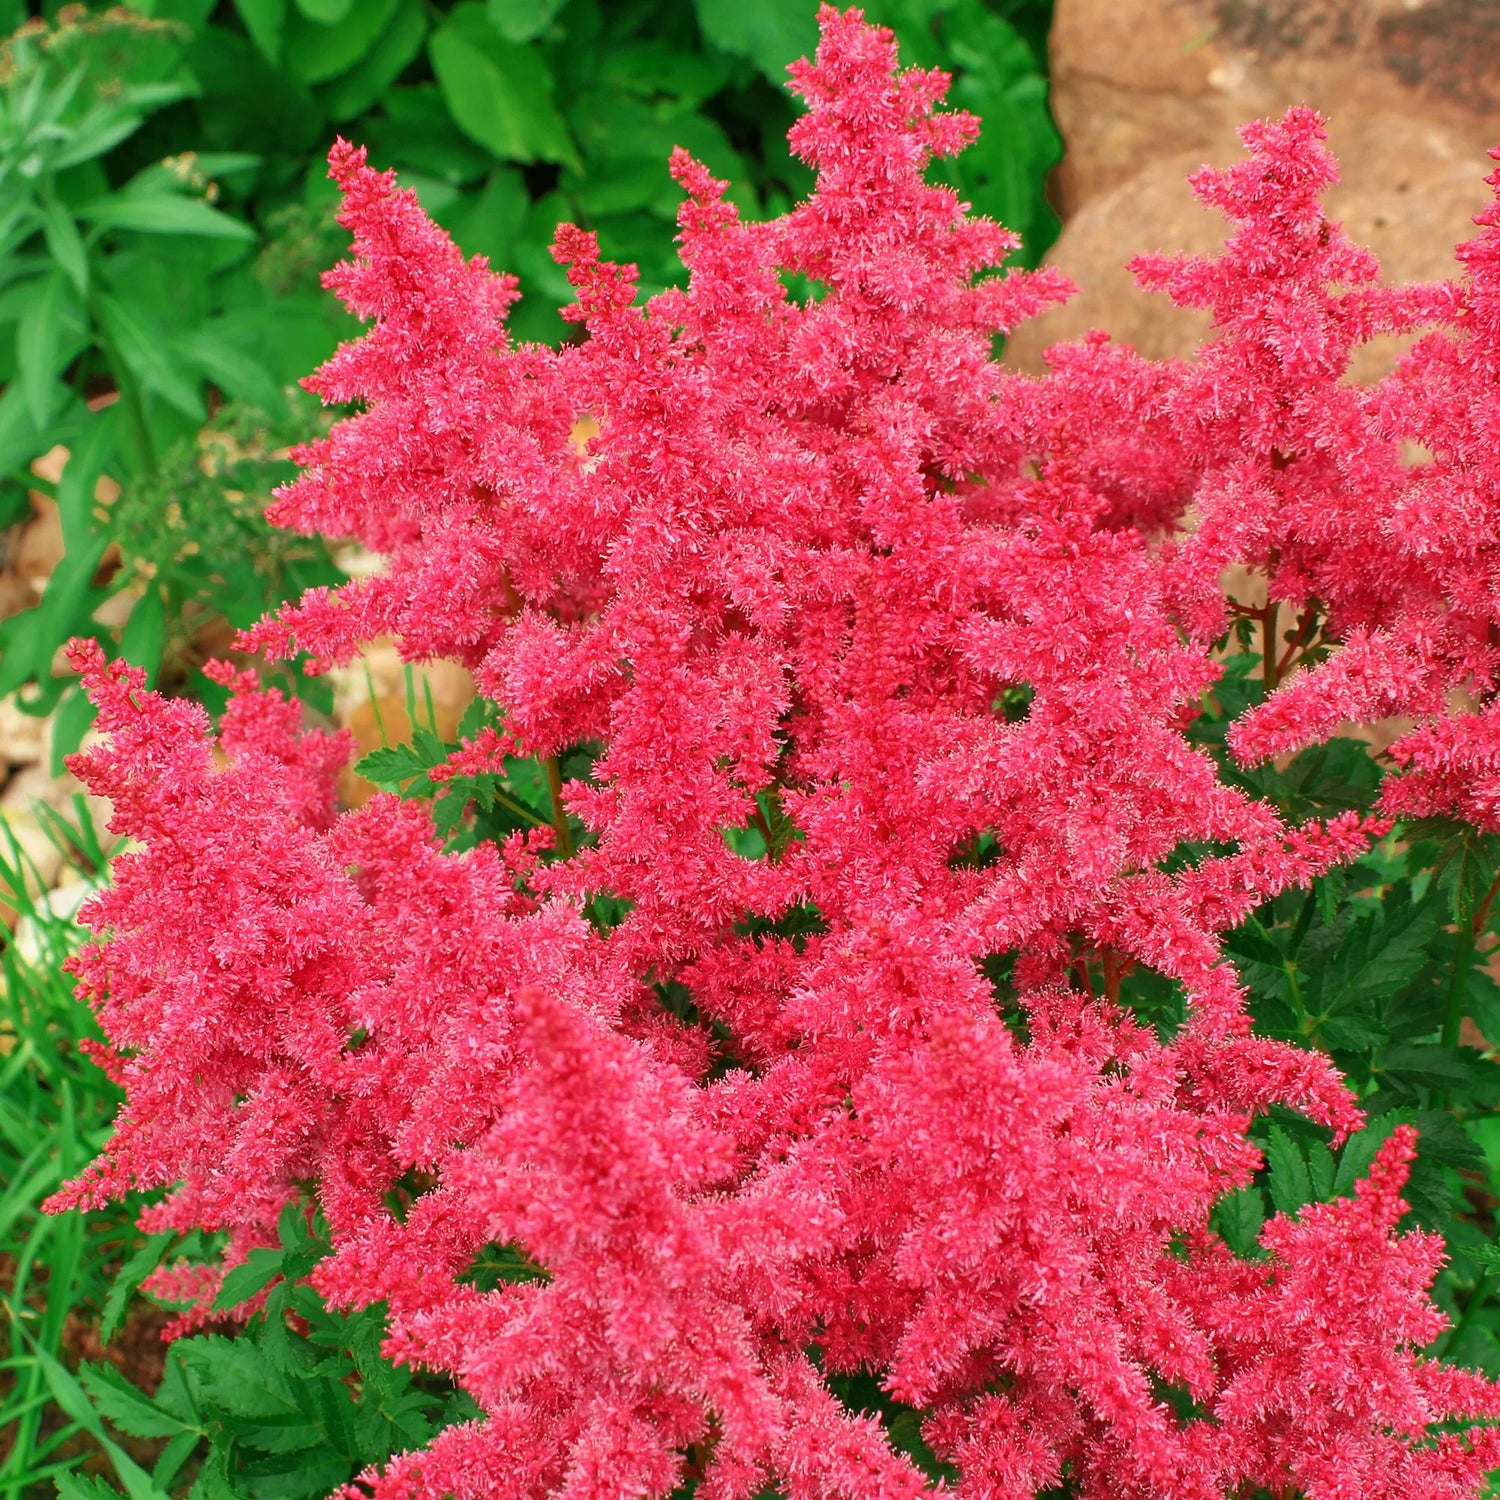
x,y
1268,660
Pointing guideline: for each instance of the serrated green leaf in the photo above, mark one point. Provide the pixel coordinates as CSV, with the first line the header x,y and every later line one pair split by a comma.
x,y
1320,1171
258,1269
1239,1218
125,1407
171,1459
1359,1151
1289,1183
135,1270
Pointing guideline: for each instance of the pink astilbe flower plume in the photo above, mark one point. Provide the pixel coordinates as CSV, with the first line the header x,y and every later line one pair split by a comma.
x,y
888,666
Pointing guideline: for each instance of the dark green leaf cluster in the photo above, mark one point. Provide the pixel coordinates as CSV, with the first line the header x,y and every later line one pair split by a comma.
x,y
295,1404
1383,964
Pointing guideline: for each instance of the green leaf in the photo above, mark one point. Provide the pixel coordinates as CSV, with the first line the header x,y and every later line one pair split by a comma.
x,y
363,85
500,95
75,490
1488,1256
135,1270
164,213
74,1401
145,353
1290,1185
265,21
329,12
173,1456
39,340
1359,1151
315,52
72,1486
236,374
1320,1171
771,33
145,633
520,20
260,1268
96,134
73,719
65,244
1239,1218
122,1405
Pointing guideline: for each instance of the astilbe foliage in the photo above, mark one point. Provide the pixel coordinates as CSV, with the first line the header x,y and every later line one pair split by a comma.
x,y
810,553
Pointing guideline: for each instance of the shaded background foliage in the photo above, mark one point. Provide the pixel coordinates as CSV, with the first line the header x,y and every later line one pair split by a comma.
x,y
167,216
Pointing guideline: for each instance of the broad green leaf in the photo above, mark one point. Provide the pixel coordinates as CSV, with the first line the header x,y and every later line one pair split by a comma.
x,y
64,611
147,356
236,374
771,33
500,94
87,460
164,213
72,720
145,634
355,91
316,52
96,134
328,12
265,20
520,20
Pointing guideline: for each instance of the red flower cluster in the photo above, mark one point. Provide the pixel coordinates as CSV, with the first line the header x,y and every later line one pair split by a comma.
x,y
775,1125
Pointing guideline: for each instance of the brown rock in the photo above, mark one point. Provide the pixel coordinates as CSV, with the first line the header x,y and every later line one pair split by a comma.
x,y
1134,80
40,547
22,735
1409,192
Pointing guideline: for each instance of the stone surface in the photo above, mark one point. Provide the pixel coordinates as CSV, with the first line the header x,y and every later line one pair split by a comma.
x,y
1133,80
1146,91
39,548
22,735
1409,191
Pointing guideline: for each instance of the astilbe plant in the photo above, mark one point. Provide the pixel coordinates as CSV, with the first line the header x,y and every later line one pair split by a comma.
x,y
889,658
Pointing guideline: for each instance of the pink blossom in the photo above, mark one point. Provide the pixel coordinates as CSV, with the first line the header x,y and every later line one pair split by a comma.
x,y
808,557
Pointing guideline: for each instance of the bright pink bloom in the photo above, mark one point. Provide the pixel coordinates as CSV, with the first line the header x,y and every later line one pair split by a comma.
x,y
811,553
